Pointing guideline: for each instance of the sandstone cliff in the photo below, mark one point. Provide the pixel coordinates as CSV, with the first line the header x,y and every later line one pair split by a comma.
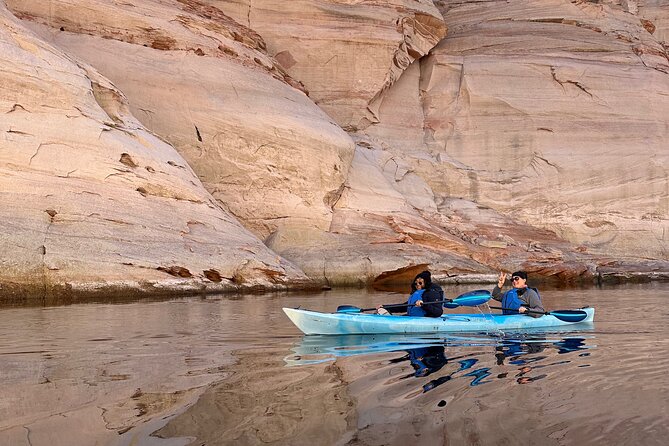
x,y
556,113
205,84
529,135
92,202
347,53
508,116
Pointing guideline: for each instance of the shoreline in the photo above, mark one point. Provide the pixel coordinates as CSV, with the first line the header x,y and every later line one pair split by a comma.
x,y
22,294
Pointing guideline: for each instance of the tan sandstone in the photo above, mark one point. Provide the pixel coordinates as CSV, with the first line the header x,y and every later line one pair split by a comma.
x,y
93,202
259,145
534,135
565,134
346,52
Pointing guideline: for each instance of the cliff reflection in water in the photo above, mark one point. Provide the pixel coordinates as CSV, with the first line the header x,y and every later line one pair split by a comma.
x,y
469,359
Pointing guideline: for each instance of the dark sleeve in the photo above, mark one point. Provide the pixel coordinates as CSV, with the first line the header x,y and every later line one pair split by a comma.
x,y
497,293
434,294
399,308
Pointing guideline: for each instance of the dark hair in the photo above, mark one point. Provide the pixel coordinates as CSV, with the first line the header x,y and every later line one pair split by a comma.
x,y
521,274
427,278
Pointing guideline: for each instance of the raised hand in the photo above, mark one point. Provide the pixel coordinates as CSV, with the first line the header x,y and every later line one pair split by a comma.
x,y
501,279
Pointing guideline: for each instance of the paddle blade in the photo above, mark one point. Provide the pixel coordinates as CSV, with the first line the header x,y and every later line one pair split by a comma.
x,y
478,293
569,315
470,299
348,309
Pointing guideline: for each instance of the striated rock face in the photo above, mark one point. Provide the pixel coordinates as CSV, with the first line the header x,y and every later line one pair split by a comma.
x,y
93,202
388,227
654,16
565,134
204,83
347,53
534,135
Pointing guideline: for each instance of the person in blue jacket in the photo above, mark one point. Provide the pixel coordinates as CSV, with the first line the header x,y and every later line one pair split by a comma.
x,y
423,293
520,298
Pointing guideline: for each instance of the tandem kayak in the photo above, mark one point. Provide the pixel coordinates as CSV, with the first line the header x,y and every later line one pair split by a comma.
x,y
314,322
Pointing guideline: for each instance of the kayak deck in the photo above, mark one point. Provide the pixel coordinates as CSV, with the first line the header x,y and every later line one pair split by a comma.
x,y
314,322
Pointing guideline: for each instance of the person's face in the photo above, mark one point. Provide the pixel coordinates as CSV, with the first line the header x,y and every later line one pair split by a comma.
x,y
420,283
518,282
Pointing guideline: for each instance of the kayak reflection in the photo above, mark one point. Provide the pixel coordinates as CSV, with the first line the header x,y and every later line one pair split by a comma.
x,y
475,358
319,348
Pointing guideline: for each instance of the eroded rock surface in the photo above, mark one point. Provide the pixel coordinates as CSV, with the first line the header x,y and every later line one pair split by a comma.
x,y
93,202
533,135
258,143
654,15
388,226
564,134
347,53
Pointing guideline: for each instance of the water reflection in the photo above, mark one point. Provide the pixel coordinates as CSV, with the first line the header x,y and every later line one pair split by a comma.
x,y
429,360
214,371
471,360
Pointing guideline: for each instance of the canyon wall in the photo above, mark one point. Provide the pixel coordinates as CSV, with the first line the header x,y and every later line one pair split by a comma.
x,y
337,142
94,203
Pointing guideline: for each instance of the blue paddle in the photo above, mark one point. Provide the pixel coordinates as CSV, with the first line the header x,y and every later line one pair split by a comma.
x,y
470,299
563,315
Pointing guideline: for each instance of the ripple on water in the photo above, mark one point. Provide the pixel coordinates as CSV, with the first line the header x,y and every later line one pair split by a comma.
x,y
262,404
395,385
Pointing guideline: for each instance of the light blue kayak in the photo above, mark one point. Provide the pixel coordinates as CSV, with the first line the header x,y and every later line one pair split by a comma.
x,y
314,322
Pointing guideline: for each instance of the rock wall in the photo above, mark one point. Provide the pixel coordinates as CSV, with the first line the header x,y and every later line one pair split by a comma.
x,y
565,134
93,203
654,16
205,84
358,140
346,53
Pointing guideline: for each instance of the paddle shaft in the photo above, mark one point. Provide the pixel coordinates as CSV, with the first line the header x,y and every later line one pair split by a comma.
x,y
571,316
471,299
527,310
408,305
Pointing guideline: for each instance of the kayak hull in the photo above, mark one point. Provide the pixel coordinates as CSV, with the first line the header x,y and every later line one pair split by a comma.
x,y
314,322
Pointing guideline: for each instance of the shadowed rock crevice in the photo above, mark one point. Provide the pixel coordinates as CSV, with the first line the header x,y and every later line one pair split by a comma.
x,y
111,102
567,81
402,276
213,275
127,160
174,270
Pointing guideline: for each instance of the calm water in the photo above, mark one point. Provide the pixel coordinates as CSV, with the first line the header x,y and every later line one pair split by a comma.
x,y
224,371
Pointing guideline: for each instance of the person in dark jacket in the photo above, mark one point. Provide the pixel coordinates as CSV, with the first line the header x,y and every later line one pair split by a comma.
x,y
420,302
520,298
